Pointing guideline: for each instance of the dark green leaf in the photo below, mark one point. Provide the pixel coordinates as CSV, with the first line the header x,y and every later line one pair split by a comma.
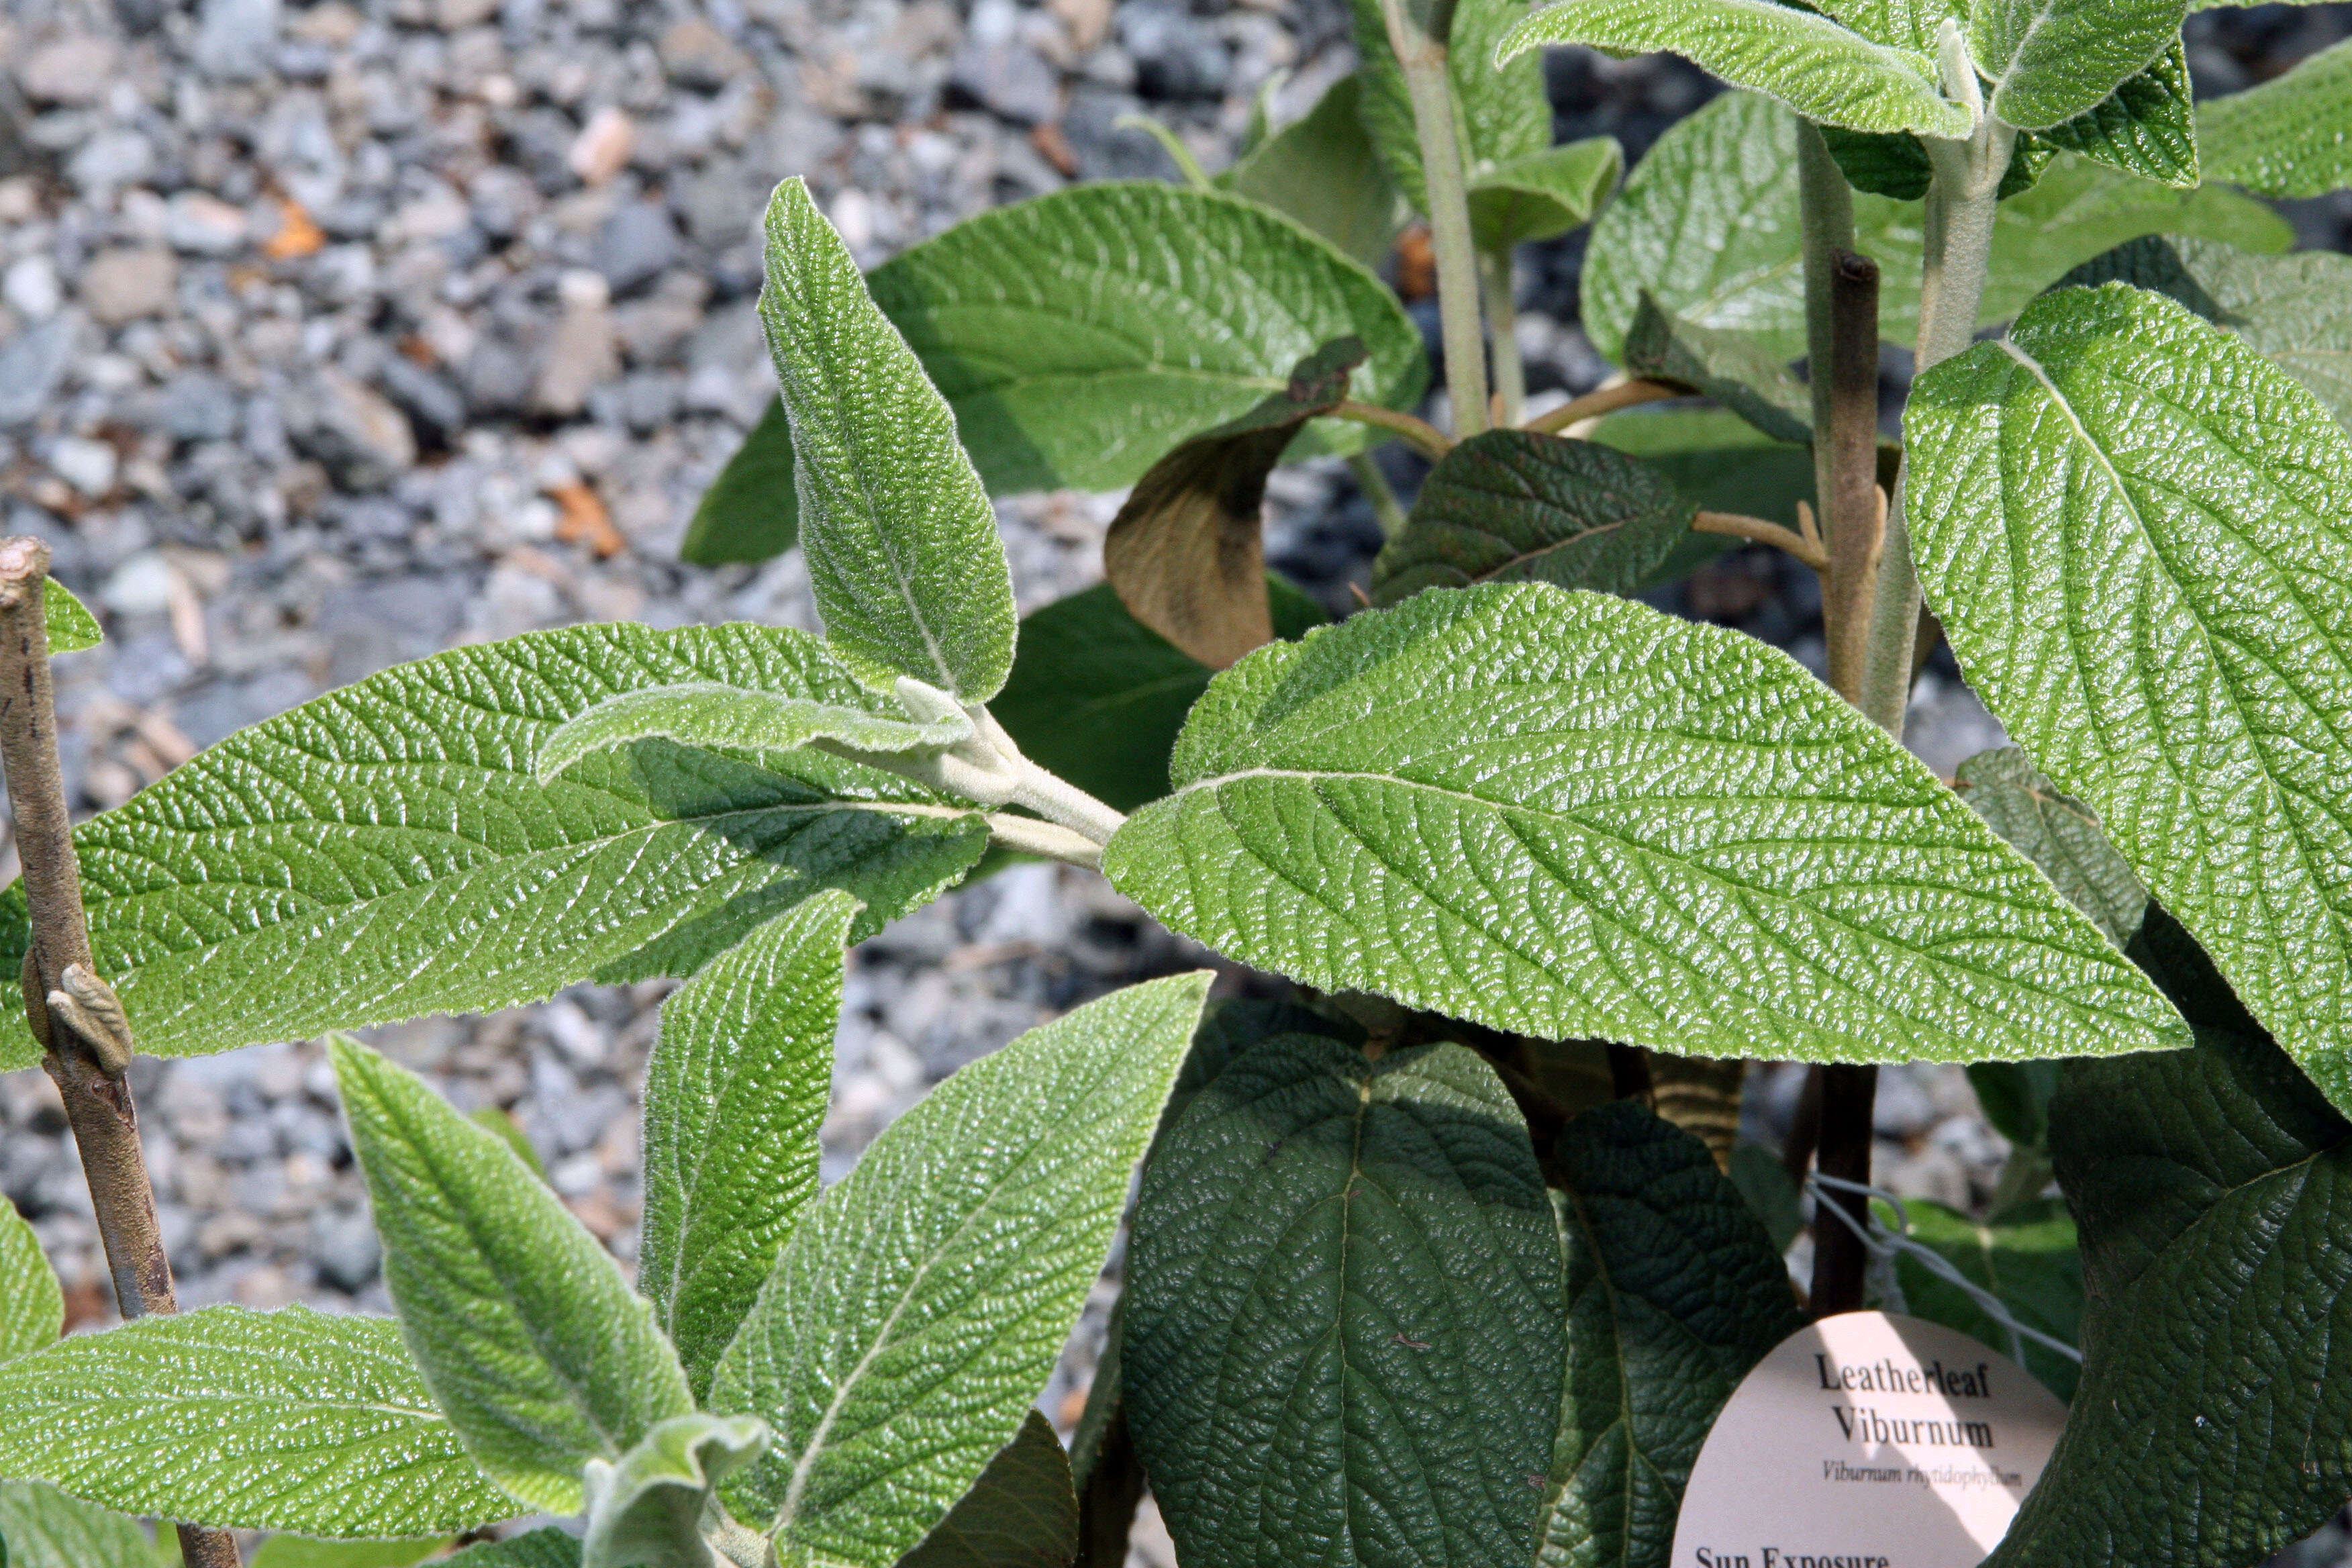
x,y
549,1548
2027,1258
1718,461
1542,196
1021,1513
1726,365
2146,127
1883,163
1320,169
750,511
1770,1192
2015,1099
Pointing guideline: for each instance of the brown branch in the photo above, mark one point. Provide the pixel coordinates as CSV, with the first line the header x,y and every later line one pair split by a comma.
x,y
1848,1097
1854,508
1757,531
1608,400
1419,433
86,1043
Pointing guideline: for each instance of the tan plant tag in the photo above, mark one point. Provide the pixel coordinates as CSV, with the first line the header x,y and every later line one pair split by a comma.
x,y
1867,1441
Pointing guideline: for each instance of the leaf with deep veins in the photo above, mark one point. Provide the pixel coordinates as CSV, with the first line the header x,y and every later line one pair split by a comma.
x,y
2050,60
1566,814
32,1305
41,1527
2291,136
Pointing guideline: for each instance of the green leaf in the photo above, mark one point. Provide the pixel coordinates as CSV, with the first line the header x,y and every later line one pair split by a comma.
x,y
648,1511
2028,1258
1185,553
285,1420
32,1304
1519,506
1097,696
1675,1292
1079,336
1824,71
1716,459
2291,136
2210,1186
2057,833
1542,196
2146,127
736,1088
717,717
1320,170
2193,691
2015,1099
509,1132
301,1552
548,1547
900,539
1502,111
1566,814
386,850
1021,1513
524,1329
1728,366
1344,1317
914,1315
1884,163
41,1527
2050,60
1771,1193
752,511
71,625
1911,25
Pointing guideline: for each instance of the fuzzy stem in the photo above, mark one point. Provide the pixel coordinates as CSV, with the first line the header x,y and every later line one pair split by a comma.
x,y
1605,400
1431,88
1503,338
1049,839
1386,509
1757,531
1845,463
1419,434
89,1073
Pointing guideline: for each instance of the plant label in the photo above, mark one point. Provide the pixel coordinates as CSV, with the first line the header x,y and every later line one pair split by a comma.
x,y
1867,1440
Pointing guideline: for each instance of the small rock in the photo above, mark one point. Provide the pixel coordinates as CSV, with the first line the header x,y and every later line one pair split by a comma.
x,y
361,438
496,377
197,405
635,245
112,159
1008,79
699,55
234,39
581,352
427,398
31,287
457,16
204,224
87,465
603,147
74,70
125,284
1175,56
1087,20
343,1245
32,363
143,585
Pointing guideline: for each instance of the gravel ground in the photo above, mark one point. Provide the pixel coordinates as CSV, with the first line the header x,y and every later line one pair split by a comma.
x,y
333,336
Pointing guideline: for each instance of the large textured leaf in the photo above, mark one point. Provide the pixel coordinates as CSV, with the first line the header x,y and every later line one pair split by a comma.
x,y
71,625
384,851
2212,1189
1543,195
2196,689
1320,170
1081,335
750,511
917,1313
548,1547
285,1420
1674,1291
1827,72
2049,60
1517,506
2146,127
32,1306
2289,137
306,1552
1503,113
1021,1513
2027,1258
1729,366
2057,833
735,1090
2296,309
41,1527
899,536
525,1329
1344,1317
1097,696
1566,814
646,1510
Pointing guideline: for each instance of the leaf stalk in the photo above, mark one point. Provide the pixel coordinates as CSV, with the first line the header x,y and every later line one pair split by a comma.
x,y
1757,531
1431,88
1419,434
1604,400
1510,399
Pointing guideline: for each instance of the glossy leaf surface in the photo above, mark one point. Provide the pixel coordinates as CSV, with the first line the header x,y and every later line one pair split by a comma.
x,y
32,1304
2291,136
1021,1513
71,625
2049,60
2146,127
41,1527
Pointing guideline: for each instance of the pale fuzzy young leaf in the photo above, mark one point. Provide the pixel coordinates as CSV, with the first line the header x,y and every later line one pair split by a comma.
x,y
2292,136
899,537
715,716
1827,72
1344,1318
1567,815
735,1090
1320,170
2028,1257
32,1305
2050,60
752,511
71,625
523,1327
2146,127
41,1527
1504,111
1081,335
1021,1513
2297,310
304,1551
2196,691
1674,1292
548,1547
1909,24
1729,367
919,1309
1521,506
285,1420
646,1510
1543,195
385,851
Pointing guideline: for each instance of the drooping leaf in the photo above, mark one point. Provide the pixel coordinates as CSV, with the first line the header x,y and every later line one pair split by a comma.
x,y
71,625
2015,1099
1320,169
2289,137
918,1311
2057,833
1097,696
2027,1258
548,1547
1344,1316
32,1304
384,851
1674,1291
304,1551
752,511
1568,815
1079,336
285,1420
1883,163
41,1527
2193,692
2146,127
1185,553
735,1090
1771,1193
524,1328
646,1510
1519,506
713,716
1541,195
1503,113
900,539
1725,366
1021,1513
1827,72
2050,60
